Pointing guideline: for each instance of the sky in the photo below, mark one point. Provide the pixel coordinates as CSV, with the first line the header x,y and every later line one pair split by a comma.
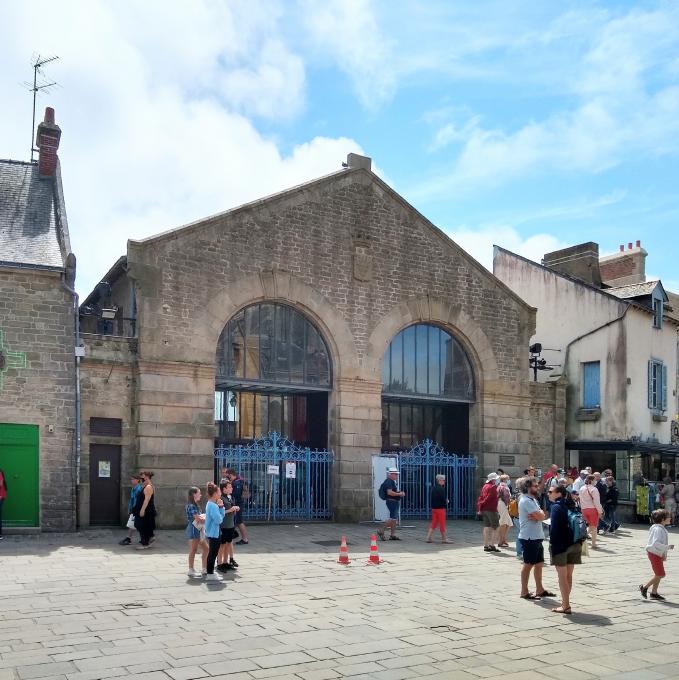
x,y
529,125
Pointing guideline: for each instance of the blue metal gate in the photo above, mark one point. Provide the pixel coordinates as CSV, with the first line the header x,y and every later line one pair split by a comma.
x,y
299,491
419,467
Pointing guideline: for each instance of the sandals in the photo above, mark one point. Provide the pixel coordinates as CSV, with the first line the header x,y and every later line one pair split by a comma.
x,y
562,610
529,596
380,533
545,593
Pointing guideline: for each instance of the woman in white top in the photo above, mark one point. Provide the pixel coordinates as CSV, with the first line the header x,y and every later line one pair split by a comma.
x,y
669,491
590,504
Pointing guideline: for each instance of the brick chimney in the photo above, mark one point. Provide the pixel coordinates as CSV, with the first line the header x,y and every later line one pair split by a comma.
x,y
580,262
47,140
626,266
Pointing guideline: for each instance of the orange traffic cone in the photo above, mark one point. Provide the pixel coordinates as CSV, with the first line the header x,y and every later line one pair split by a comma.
x,y
374,555
344,552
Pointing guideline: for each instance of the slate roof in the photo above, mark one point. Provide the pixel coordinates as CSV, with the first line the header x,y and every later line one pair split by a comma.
x,y
633,290
33,231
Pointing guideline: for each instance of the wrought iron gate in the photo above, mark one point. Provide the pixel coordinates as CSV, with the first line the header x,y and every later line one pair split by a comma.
x,y
419,467
299,491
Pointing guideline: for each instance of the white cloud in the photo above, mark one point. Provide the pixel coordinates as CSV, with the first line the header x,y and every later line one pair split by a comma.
x,y
479,242
621,109
155,108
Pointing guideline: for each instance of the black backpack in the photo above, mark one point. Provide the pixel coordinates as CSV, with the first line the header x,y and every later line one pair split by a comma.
x,y
383,490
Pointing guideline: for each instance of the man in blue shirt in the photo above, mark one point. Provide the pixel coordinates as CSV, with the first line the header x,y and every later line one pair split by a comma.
x,y
392,497
531,536
136,485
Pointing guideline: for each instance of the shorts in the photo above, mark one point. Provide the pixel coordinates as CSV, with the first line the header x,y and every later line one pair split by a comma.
x,y
591,516
238,519
490,519
657,564
227,536
438,519
192,533
533,552
572,555
392,506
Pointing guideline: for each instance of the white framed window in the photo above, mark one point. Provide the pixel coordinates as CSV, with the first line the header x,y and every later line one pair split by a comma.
x,y
657,385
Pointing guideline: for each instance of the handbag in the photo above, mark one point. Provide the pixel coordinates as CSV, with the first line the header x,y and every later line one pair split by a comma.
x,y
130,522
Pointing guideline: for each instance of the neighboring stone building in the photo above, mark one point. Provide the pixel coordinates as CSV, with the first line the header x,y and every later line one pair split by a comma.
x,y
334,313
612,339
37,339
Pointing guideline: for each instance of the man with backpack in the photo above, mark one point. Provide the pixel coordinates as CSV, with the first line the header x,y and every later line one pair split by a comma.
x,y
389,493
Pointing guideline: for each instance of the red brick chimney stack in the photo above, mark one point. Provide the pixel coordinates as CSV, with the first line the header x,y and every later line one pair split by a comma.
x,y
47,140
626,266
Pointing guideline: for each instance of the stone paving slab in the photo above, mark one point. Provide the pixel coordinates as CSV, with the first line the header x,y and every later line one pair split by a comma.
x,y
81,607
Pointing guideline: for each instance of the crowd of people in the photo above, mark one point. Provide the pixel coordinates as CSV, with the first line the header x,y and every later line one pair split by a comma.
x,y
576,509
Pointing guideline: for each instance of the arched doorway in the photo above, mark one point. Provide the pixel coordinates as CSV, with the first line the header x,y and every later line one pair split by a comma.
x,y
273,374
427,390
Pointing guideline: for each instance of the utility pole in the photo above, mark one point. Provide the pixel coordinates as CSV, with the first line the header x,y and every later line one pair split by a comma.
x,y
37,66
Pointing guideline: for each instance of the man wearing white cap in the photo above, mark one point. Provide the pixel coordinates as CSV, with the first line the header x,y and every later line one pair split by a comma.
x,y
486,506
389,492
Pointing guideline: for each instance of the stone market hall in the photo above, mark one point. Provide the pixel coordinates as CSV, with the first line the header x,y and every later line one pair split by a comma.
x,y
333,314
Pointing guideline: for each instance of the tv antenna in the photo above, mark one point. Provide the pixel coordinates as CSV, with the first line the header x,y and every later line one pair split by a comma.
x,y
43,86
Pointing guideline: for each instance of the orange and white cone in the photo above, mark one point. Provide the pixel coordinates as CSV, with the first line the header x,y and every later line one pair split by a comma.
x,y
344,552
374,554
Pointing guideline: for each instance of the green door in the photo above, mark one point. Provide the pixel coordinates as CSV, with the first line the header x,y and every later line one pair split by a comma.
x,y
19,446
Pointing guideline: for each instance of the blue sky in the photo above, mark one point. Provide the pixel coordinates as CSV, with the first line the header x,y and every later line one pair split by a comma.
x,y
531,125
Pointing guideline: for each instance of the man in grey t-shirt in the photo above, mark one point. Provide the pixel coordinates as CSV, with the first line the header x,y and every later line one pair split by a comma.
x,y
531,536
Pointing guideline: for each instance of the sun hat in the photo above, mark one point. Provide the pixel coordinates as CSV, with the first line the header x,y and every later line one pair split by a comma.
x,y
492,477
392,471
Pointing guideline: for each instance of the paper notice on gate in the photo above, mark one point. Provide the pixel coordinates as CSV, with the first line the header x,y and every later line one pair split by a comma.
x,y
104,468
272,470
290,470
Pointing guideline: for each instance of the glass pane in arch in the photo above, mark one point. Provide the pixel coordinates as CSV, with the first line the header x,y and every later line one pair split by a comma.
x,y
272,344
434,364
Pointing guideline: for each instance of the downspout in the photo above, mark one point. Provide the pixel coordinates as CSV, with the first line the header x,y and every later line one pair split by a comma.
x,y
584,335
68,283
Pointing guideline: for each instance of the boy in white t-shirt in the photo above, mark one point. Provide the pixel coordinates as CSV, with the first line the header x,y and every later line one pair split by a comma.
x,y
656,548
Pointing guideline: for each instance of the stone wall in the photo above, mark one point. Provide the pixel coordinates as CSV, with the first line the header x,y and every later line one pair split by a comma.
x,y
361,264
108,390
36,317
548,424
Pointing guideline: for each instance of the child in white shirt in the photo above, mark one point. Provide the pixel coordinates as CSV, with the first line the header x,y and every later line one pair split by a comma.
x,y
656,549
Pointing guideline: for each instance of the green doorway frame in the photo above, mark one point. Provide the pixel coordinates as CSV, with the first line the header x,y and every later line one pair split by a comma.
x,y
20,461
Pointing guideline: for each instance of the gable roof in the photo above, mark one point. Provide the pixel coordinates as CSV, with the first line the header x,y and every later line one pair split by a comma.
x,y
606,292
636,290
33,227
446,241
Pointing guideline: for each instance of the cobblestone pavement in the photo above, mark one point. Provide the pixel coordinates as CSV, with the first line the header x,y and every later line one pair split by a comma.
x,y
80,607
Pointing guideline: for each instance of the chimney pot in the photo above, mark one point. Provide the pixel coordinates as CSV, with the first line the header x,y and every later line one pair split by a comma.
x,y
622,248
49,115
629,246
638,244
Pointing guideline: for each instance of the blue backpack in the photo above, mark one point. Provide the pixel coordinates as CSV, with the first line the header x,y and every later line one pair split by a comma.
x,y
578,526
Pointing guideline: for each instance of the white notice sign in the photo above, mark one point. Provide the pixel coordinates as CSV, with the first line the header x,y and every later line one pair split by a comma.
x,y
290,470
104,468
272,470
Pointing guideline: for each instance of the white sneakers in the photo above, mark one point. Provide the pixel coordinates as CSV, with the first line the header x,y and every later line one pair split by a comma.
x,y
192,573
213,577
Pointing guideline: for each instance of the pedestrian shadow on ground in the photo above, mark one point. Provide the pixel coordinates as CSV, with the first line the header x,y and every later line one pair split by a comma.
x,y
583,618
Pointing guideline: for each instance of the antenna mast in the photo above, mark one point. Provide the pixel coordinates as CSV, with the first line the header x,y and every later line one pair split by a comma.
x,y
37,66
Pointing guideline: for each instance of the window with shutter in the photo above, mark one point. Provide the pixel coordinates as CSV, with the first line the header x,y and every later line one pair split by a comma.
x,y
657,385
591,397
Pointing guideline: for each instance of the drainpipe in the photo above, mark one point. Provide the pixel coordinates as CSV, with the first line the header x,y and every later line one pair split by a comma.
x,y
67,282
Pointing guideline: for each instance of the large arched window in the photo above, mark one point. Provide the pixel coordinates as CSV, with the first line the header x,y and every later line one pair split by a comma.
x,y
424,361
272,344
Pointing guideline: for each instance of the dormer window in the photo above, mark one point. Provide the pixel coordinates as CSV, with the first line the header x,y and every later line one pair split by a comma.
x,y
657,310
